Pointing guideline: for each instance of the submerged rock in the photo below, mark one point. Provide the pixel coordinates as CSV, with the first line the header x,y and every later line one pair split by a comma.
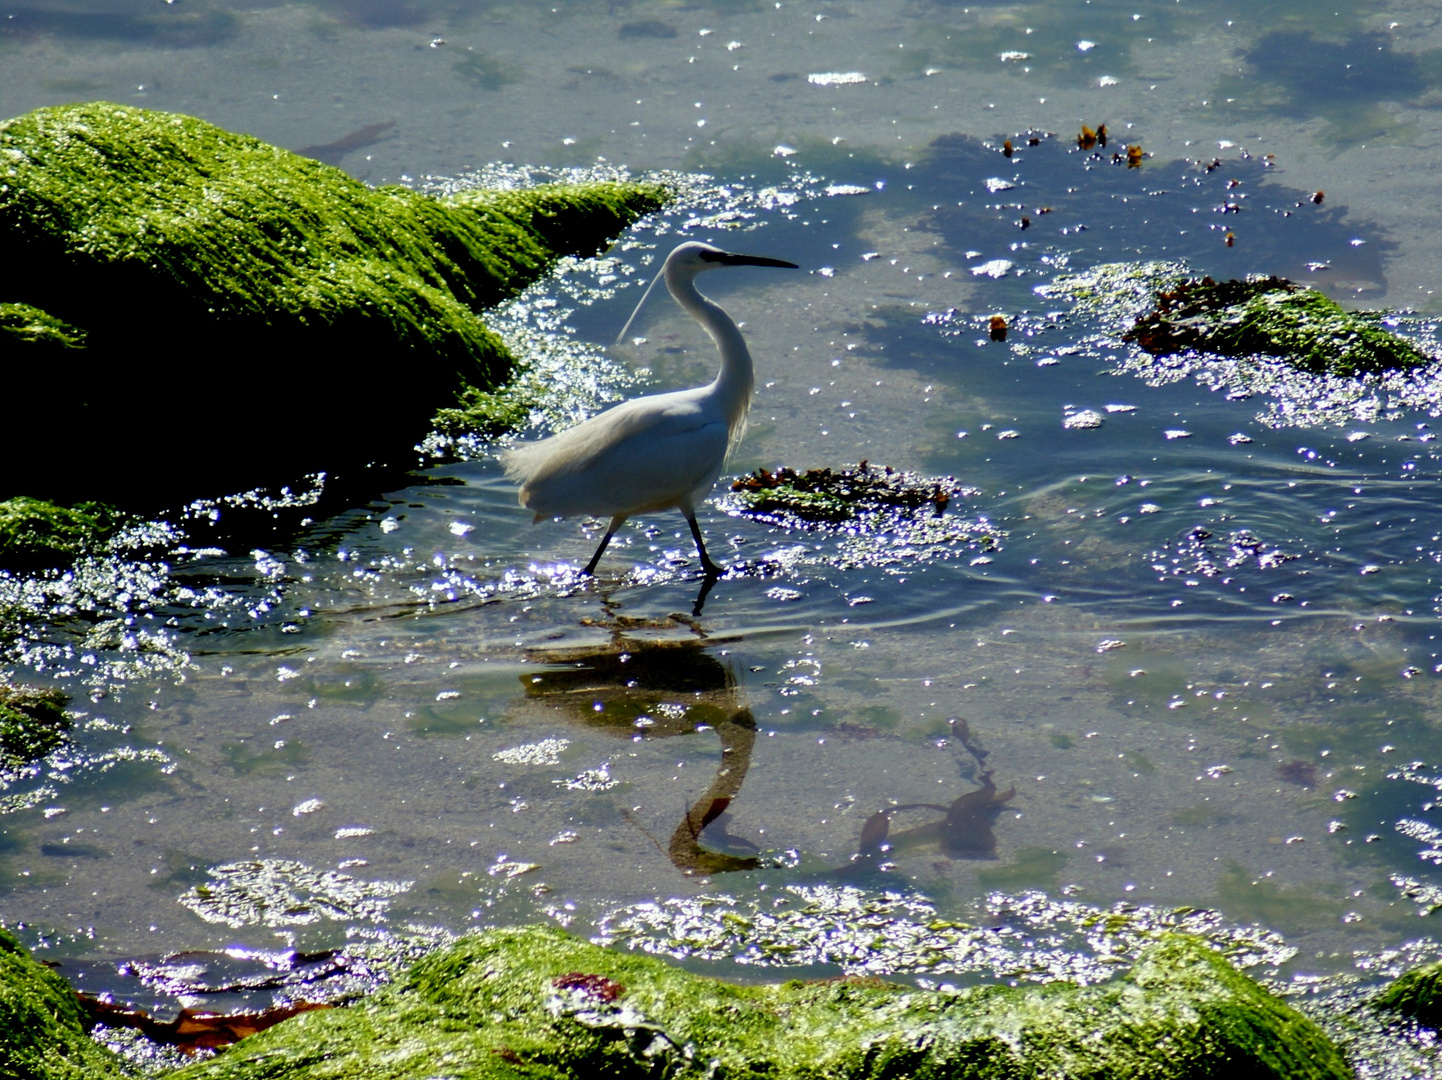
x,y
35,534
248,315
32,723
533,1001
1417,994
42,1028
1275,317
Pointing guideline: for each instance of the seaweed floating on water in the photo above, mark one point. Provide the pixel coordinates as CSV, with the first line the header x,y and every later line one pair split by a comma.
x,y
193,1031
831,497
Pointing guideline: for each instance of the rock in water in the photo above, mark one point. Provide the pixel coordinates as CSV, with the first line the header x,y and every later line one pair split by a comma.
x,y
42,1030
216,312
1417,994
26,327
533,1002
1274,317
35,534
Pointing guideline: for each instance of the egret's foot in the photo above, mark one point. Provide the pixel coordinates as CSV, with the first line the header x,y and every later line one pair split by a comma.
x,y
711,570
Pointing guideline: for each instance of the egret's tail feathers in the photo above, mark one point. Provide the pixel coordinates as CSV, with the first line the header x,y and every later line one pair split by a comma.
x,y
520,461
734,435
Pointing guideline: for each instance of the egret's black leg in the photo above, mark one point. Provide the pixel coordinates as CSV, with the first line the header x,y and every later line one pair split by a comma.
x,y
712,570
616,523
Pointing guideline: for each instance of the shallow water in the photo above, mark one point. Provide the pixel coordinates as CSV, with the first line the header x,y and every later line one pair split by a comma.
x,y
1202,654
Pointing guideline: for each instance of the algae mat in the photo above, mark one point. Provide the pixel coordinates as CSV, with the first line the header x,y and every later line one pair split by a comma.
x,y
240,305
533,1002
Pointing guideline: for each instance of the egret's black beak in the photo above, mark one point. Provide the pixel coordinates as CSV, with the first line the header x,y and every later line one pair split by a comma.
x,y
726,258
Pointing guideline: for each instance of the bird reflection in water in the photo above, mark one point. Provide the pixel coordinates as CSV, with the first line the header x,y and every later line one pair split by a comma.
x,y
655,689
964,831
651,687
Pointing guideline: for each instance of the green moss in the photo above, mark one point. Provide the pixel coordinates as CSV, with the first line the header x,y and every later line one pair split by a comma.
x,y
1272,316
32,723
42,1032
313,298
1417,994
533,1002
36,534
23,326
485,413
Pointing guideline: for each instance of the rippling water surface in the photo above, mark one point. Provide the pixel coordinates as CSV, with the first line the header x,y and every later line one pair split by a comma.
x,y
1198,668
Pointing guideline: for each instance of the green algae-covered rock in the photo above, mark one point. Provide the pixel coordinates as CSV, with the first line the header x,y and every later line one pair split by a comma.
x,y
533,1002
35,534
42,1031
38,332
1417,994
248,312
1275,317
32,723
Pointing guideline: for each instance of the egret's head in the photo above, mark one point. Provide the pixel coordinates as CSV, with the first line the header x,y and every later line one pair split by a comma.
x,y
693,257
689,259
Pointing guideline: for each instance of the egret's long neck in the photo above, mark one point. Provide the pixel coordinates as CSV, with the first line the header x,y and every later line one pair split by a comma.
x,y
734,384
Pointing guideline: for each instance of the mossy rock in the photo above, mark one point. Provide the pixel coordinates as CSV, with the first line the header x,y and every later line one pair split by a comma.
x,y
42,1031
35,534
1274,317
1417,994
265,314
485,413
534,1002
38,332
32,723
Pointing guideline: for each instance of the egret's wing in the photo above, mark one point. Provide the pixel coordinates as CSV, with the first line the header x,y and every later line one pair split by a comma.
x,y
643,454
661,470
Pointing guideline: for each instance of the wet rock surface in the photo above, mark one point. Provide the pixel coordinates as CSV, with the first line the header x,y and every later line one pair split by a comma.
x,y
534,1001
1275,317
249,296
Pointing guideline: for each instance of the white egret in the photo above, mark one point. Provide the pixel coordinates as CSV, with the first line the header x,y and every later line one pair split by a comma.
x,y
659,452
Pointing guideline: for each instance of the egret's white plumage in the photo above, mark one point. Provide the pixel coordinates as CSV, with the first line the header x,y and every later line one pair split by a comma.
x,y
653,453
